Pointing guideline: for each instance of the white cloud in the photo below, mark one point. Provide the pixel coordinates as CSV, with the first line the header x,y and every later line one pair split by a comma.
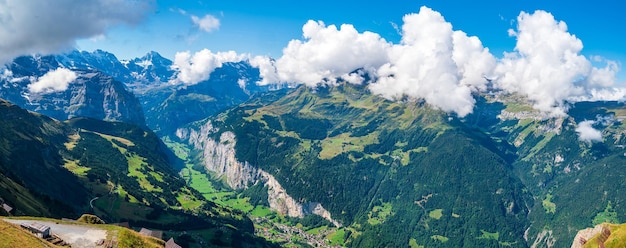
x,y
208,23
43,26
6,73
267,69
197,68
548,68
587,133
444,67
53,81
328,53
434,63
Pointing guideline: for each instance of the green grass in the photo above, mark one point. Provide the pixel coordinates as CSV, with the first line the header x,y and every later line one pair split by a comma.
x,y
73,140
379,214
403,156
413,244
180,150
436,214
14,236
336,238
333,146
489,235
75,168
200,181
439,238
515,107
135,163
242,204
607,216
188,202
548,205
128,238
617,238
260,211
317,230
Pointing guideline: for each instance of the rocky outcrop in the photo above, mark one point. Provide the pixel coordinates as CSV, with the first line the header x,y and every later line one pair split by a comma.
x,y
92,94
586,234
544,239
219,157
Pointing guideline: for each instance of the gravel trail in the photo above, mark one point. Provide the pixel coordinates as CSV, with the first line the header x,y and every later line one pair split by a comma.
x,y
76,235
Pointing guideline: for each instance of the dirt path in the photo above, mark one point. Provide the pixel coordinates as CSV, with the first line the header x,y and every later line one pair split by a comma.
x,y
76,235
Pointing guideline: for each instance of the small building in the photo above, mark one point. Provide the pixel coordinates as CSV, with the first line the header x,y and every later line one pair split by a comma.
x,y
171,244
39,230
153,233
7,208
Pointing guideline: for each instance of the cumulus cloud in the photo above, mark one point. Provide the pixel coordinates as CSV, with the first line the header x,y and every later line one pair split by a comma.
x,y
6,73
435,63
587,133
329,52
42,26
444,67
548,68
267,69
432,62
53,81
192,69
208,23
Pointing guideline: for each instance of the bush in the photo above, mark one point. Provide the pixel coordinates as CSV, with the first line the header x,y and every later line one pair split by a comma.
x,y
90,219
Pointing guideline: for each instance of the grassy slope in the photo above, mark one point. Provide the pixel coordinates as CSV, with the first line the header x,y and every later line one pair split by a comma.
x,y
122,165
320,136
616,238
14,236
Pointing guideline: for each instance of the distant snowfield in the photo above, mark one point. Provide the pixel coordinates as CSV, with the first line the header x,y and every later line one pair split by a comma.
x,y
75,235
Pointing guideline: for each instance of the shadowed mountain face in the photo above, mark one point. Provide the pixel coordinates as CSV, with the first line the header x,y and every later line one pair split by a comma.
x,y
104,84
91,94
118,171
167,108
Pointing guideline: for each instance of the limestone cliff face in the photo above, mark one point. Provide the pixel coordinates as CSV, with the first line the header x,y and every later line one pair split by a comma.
x,y
92,94
219,157
99,96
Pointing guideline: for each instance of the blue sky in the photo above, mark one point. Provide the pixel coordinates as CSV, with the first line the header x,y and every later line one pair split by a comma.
x,y
265,27
443,54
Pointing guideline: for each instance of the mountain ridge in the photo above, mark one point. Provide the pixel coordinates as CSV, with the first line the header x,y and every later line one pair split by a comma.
x,y
116,170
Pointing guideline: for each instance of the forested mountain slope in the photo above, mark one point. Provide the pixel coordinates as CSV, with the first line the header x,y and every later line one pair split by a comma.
x,y
116,170
391,173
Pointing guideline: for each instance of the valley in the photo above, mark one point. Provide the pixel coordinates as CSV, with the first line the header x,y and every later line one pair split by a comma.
x,y
226,162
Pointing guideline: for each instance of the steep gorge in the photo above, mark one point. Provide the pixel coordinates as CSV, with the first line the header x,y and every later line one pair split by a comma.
x,y
218,156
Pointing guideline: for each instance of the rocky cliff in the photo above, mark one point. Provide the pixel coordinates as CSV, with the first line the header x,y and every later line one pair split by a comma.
x,y
90,93
219,157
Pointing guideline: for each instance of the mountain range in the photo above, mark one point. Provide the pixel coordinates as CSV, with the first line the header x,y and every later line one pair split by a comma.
x,y
381,173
